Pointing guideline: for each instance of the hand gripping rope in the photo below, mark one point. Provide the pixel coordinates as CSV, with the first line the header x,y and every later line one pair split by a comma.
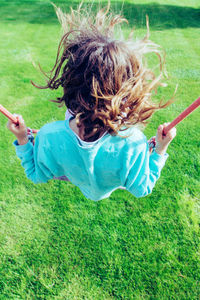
x,y
183,115
14,119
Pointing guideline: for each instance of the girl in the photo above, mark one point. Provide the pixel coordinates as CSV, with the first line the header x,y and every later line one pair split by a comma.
x,y
107,90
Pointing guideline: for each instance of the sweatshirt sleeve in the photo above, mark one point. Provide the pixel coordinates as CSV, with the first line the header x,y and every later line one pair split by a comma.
x,y
144,170
35,160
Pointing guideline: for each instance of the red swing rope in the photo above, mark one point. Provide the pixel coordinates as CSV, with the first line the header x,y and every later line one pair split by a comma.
x,y
183,115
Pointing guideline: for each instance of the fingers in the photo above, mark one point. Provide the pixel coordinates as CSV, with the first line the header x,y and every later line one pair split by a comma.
x,y
160,132
161,138
171,134
12,126
20,120
159,135
16,128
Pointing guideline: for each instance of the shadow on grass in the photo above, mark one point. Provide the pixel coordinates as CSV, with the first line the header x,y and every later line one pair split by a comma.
x,y
161,16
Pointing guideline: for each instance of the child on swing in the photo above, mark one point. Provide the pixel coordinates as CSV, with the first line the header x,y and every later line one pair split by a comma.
x,y
107,90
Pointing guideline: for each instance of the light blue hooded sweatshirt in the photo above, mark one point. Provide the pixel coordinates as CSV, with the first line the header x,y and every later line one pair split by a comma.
x,y
97,168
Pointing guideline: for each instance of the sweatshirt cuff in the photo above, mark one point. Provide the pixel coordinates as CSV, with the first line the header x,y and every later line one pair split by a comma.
x,y
160,159
22,148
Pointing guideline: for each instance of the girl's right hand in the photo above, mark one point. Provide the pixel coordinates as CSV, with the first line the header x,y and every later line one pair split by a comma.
x,y
19,130
163,141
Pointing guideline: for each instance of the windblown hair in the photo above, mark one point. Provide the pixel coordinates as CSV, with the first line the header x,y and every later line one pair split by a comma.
x,y
106,82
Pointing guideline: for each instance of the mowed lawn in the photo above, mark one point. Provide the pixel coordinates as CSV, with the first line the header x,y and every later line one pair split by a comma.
x,y
55,243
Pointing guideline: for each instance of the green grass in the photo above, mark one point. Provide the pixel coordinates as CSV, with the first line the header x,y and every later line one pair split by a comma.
x,y
55,243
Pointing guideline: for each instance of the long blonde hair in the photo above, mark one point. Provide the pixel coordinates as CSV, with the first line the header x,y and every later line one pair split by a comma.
x,y
106,82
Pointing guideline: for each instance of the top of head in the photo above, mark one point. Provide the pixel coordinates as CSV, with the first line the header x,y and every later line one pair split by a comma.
x,y
105,81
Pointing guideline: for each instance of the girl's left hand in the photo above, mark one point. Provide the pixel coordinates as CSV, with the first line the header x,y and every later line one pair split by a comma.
x,y
163,141
19,130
